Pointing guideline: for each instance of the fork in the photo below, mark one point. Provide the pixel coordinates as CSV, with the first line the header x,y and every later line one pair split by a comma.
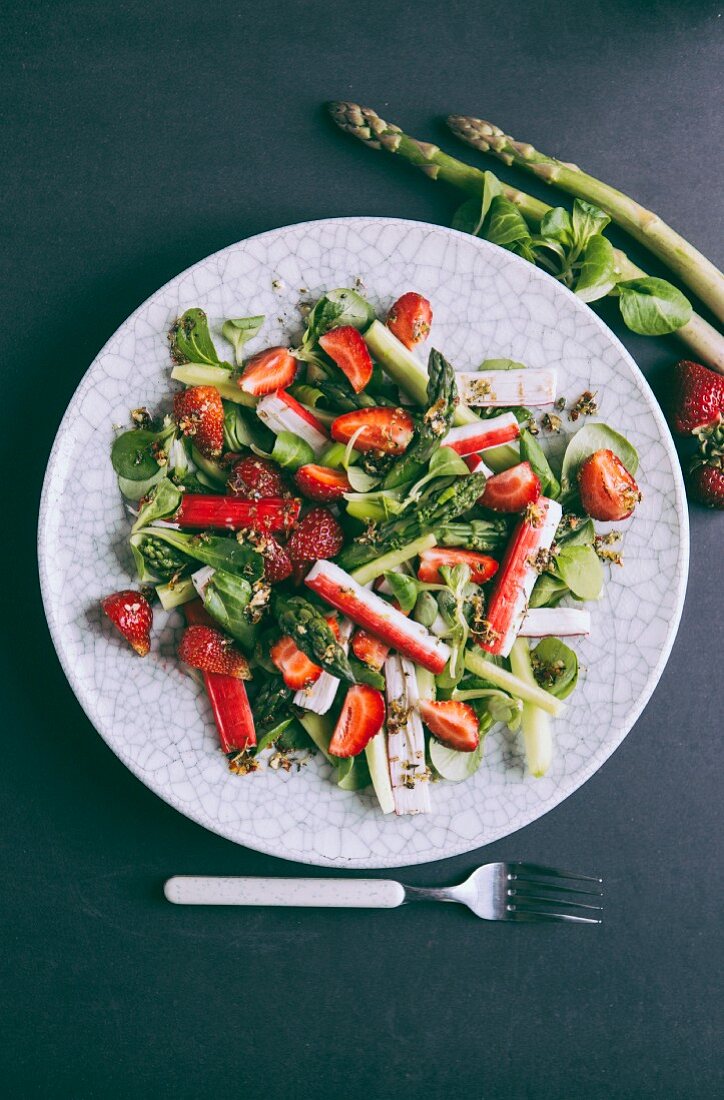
x,y
496,891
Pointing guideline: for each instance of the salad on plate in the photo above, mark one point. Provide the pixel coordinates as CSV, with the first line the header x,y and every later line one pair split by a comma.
x,y
376,558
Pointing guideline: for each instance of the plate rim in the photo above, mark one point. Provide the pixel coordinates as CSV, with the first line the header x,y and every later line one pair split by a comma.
x,y
272,848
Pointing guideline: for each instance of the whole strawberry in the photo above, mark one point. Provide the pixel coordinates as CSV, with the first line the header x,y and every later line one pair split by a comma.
x,y
253,478
199,413
317,536
206,648
706,485
697,398
131,614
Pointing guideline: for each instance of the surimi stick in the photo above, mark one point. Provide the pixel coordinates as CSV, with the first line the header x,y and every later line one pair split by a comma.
x,y
507,387
282,413
470,439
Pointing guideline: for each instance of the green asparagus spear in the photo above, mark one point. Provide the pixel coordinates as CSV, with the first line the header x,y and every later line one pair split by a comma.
x,y
430,514
442,397
485,535
312,633
699,273
153,544
363,123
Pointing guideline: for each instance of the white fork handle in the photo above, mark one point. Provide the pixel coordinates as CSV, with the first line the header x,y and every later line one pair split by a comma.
x,y
340,893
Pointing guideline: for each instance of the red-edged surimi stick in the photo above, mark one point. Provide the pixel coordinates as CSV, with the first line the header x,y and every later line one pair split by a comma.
x,y
282,413
409,775
555,622
513,583
507,387
476,465
227,695
377,616
470,439
235,514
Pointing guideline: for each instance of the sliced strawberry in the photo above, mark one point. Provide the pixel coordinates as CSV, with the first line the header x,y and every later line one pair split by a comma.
x,y
698,396
253,477
372,651
322,482
273,369
206,648
513,490
482,568
707,485
347,348
235,514
607,489
362,716
199,413
131,614
316,536
452,722
410,319
380,429
296,668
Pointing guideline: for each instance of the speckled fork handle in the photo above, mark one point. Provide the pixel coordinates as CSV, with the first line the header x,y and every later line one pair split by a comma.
x,y
338,893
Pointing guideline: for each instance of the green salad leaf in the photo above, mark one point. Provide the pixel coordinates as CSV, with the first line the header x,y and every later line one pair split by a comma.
x,y
135,454
532,452
191,341
162,501
587,222
555,667
290,451
500,364
226,598
653,307
404,588
548,591
238,331
453,765
597,272
580,568
469,217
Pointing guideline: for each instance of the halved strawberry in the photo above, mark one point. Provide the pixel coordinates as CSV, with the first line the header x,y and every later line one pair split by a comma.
x,y
346,346
322,482
362,716
410,319
206,648
608,491
253,477
273,369
380,429
317,536
296,668
199,413
372,651
482,568
131,614
452,722
513,490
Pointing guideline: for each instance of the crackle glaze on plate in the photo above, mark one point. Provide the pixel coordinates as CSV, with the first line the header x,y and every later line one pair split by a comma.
x,y
487,304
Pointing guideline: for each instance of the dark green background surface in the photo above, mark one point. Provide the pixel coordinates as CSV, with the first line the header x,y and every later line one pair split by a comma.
x,y
138,138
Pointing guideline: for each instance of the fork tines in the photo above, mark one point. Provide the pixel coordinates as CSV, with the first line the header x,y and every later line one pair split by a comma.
x,y
539,893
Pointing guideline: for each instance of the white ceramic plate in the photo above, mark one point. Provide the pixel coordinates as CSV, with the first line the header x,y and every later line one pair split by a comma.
x,y
487,303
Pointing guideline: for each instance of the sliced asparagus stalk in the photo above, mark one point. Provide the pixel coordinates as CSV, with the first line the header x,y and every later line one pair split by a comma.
x,y
200,374
648,228
374,614
535,723
392,559
472,438
363,123
555,622
176,593
409,775
320,696
478,664
518,572
376,753
283,413
404,369
235,514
